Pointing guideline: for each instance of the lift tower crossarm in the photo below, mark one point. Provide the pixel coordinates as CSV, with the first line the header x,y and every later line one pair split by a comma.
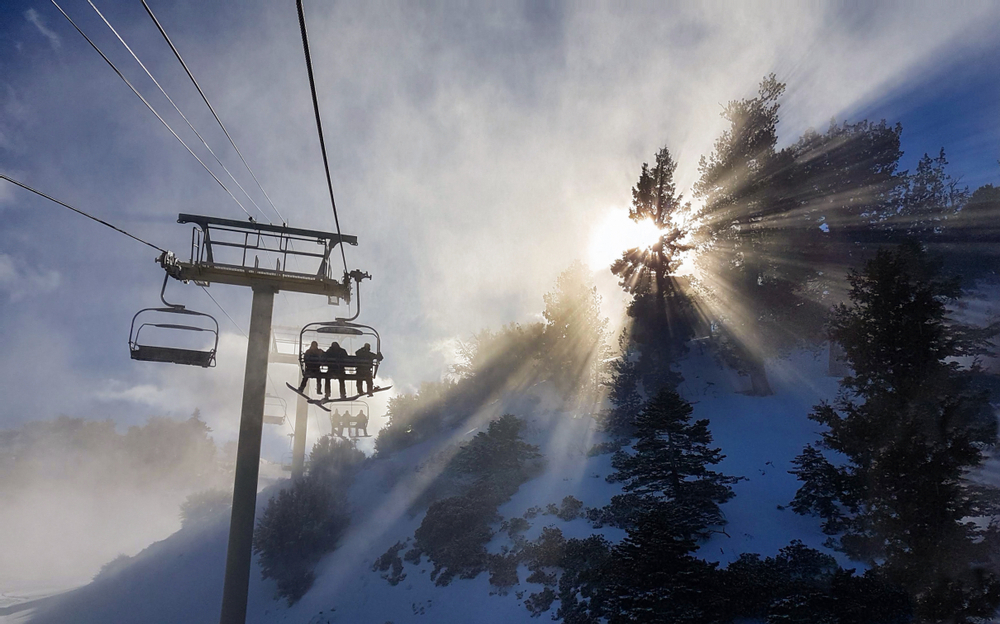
x,y
206,222
227,251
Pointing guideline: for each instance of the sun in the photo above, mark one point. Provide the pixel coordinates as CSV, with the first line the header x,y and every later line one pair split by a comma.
x,y
614,233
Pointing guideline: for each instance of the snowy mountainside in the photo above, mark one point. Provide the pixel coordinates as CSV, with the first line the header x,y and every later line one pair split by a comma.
x,y
180,579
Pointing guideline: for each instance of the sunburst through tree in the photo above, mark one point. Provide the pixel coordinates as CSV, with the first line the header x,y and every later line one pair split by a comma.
x,y
777,230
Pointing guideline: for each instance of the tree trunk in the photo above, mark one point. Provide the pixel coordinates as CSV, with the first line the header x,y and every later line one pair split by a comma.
x,y
758,377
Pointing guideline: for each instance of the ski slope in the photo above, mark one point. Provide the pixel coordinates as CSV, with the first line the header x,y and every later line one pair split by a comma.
x,y
180,578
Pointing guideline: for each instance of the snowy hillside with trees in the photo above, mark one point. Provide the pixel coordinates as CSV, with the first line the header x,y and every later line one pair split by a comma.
x,y
179,579
795,429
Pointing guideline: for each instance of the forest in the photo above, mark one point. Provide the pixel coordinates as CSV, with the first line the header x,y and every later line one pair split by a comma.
x,y
824,243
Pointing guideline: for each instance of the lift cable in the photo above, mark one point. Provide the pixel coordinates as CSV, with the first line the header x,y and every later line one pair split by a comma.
x,y
78,211
319,123
211,108
245,335
150,107
219,305
176,108
190,125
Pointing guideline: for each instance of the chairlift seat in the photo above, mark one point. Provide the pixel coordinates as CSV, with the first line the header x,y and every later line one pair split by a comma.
x,y
173,355
274,420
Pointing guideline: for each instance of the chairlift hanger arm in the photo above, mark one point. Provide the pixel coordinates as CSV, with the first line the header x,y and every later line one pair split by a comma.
x,y
357,275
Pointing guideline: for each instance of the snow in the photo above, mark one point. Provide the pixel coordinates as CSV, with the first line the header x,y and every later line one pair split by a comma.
x,y
180,578
760,436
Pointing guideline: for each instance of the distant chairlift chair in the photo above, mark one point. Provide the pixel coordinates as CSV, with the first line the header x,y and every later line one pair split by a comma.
x,y
275,410
348,423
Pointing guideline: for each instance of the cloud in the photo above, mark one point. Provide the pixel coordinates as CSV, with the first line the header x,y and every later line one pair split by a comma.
x,y
6,189
144,394
19,281
32,16
471,156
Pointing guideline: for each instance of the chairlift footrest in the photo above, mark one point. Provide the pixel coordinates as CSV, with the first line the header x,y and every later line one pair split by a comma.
x,y
352,398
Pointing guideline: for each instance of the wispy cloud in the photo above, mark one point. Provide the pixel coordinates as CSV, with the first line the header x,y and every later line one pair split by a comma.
x,y
19,281
6,189
474,158
32,16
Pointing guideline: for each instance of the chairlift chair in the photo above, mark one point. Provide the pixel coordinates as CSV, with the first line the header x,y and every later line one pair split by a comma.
x,y
275,410
148,351
323,332
352,410
288,458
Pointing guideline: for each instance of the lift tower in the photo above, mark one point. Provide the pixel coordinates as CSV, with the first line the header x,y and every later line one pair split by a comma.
x,y
285,350
226,251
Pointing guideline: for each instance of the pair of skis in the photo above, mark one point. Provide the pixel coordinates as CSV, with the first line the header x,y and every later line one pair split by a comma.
x,y
321,403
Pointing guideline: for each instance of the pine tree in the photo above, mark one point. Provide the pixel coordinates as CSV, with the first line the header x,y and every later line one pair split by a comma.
x,y
298,527
498,455
737,185
911,426
844,188
932,196
973,235
575,335
306,520
779,227
660,310
651,576
669,472
803,585
624,389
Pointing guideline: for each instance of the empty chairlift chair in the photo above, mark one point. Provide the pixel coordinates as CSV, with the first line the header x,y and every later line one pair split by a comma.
x,y
275,410
174,334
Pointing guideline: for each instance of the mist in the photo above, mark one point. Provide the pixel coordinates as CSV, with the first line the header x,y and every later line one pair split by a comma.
x,y
476,152
77,493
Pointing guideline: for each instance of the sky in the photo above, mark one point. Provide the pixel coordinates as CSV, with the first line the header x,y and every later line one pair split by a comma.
x,y
476,150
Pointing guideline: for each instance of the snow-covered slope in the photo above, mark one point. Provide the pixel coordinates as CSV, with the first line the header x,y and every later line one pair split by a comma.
x,y
180,578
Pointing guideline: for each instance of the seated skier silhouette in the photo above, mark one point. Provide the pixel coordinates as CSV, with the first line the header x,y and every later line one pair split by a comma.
x,y
361,424
335,370
311,361
336,423
366,359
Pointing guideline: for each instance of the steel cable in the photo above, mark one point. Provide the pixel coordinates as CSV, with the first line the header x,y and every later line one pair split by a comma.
x,y
153,110
78,211
176,108
319,125
211,108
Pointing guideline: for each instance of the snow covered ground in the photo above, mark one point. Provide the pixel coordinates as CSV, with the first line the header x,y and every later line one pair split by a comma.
x,y
180,578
